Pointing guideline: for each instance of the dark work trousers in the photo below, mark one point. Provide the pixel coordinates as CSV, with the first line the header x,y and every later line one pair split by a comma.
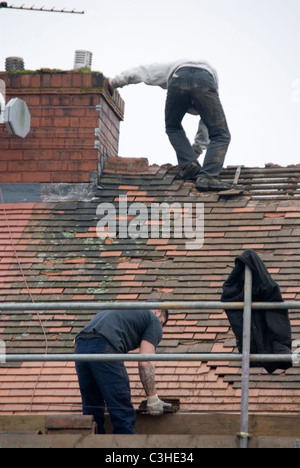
x,y
105,382
195,88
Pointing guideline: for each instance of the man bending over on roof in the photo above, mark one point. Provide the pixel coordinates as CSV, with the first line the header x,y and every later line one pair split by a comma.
x,y
192,88
115,332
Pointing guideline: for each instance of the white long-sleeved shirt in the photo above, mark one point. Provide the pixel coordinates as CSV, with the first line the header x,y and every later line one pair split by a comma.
x,y
159,74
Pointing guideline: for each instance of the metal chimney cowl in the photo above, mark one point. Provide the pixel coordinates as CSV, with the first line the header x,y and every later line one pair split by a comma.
x,y
14,64
83,59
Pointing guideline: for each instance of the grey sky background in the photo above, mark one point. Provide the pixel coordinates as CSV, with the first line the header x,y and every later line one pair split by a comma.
x,y
253,44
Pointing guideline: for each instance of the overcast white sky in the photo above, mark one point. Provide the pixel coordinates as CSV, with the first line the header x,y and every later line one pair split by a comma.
x,y
254,45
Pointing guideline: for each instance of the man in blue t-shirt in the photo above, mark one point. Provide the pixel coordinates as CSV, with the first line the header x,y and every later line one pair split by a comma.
x,y
113,332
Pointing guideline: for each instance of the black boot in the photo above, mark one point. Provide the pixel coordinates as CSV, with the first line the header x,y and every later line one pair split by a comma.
x,y
210,184
191,172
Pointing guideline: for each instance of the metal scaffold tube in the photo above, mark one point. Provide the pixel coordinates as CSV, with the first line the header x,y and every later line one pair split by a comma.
x,y
245,358
244,436
192,307
142,357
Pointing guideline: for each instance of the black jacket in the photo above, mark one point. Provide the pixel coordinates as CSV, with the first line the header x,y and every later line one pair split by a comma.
x,y
270,329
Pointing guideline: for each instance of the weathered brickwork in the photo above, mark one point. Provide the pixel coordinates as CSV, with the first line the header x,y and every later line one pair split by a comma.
x,y
74,124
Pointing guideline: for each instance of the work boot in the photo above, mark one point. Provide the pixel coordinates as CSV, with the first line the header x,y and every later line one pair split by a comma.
x,y
190,172
210,184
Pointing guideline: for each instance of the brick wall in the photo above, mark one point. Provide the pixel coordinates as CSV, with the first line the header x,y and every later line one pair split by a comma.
x,y
74,124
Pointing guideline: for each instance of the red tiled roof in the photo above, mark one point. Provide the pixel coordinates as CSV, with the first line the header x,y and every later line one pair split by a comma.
x,y
64,260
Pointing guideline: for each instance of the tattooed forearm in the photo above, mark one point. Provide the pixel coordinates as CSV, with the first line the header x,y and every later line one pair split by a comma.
x,y
147,376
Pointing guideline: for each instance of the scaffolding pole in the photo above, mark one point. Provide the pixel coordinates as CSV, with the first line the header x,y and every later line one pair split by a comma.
x,y
219,357
192,307
244,435
246,358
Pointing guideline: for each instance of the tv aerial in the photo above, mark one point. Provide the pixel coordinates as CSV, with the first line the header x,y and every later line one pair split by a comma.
x,y
34,8
15,114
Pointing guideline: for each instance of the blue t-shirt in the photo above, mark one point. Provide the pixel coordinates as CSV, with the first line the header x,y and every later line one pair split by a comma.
x,y
124,329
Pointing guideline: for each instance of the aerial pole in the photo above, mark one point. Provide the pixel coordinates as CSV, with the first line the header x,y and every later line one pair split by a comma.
x,y
43,9
15,115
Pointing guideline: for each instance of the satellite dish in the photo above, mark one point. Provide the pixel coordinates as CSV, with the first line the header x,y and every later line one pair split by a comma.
x,y
17,118
2,106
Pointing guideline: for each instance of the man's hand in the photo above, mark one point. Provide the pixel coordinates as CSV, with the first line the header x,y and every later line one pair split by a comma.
x,y
155,406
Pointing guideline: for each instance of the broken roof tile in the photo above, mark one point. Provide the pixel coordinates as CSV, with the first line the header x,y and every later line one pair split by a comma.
x,y
63,259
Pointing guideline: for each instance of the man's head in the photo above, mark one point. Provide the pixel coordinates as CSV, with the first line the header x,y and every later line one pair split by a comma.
x,y
163,315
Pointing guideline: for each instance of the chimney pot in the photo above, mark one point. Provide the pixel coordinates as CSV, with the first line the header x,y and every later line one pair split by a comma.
x,y
14,64
83,59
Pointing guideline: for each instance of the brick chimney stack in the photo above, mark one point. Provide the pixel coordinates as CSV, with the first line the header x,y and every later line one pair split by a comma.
x,y
75,125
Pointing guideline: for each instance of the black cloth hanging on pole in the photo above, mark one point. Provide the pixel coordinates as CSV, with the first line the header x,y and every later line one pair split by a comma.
x,y
270,329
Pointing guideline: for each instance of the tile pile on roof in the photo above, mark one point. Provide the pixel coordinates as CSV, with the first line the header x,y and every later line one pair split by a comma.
x,y
63,259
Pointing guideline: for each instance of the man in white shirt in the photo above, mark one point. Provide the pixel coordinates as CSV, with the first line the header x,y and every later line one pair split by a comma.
x,y
192,88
